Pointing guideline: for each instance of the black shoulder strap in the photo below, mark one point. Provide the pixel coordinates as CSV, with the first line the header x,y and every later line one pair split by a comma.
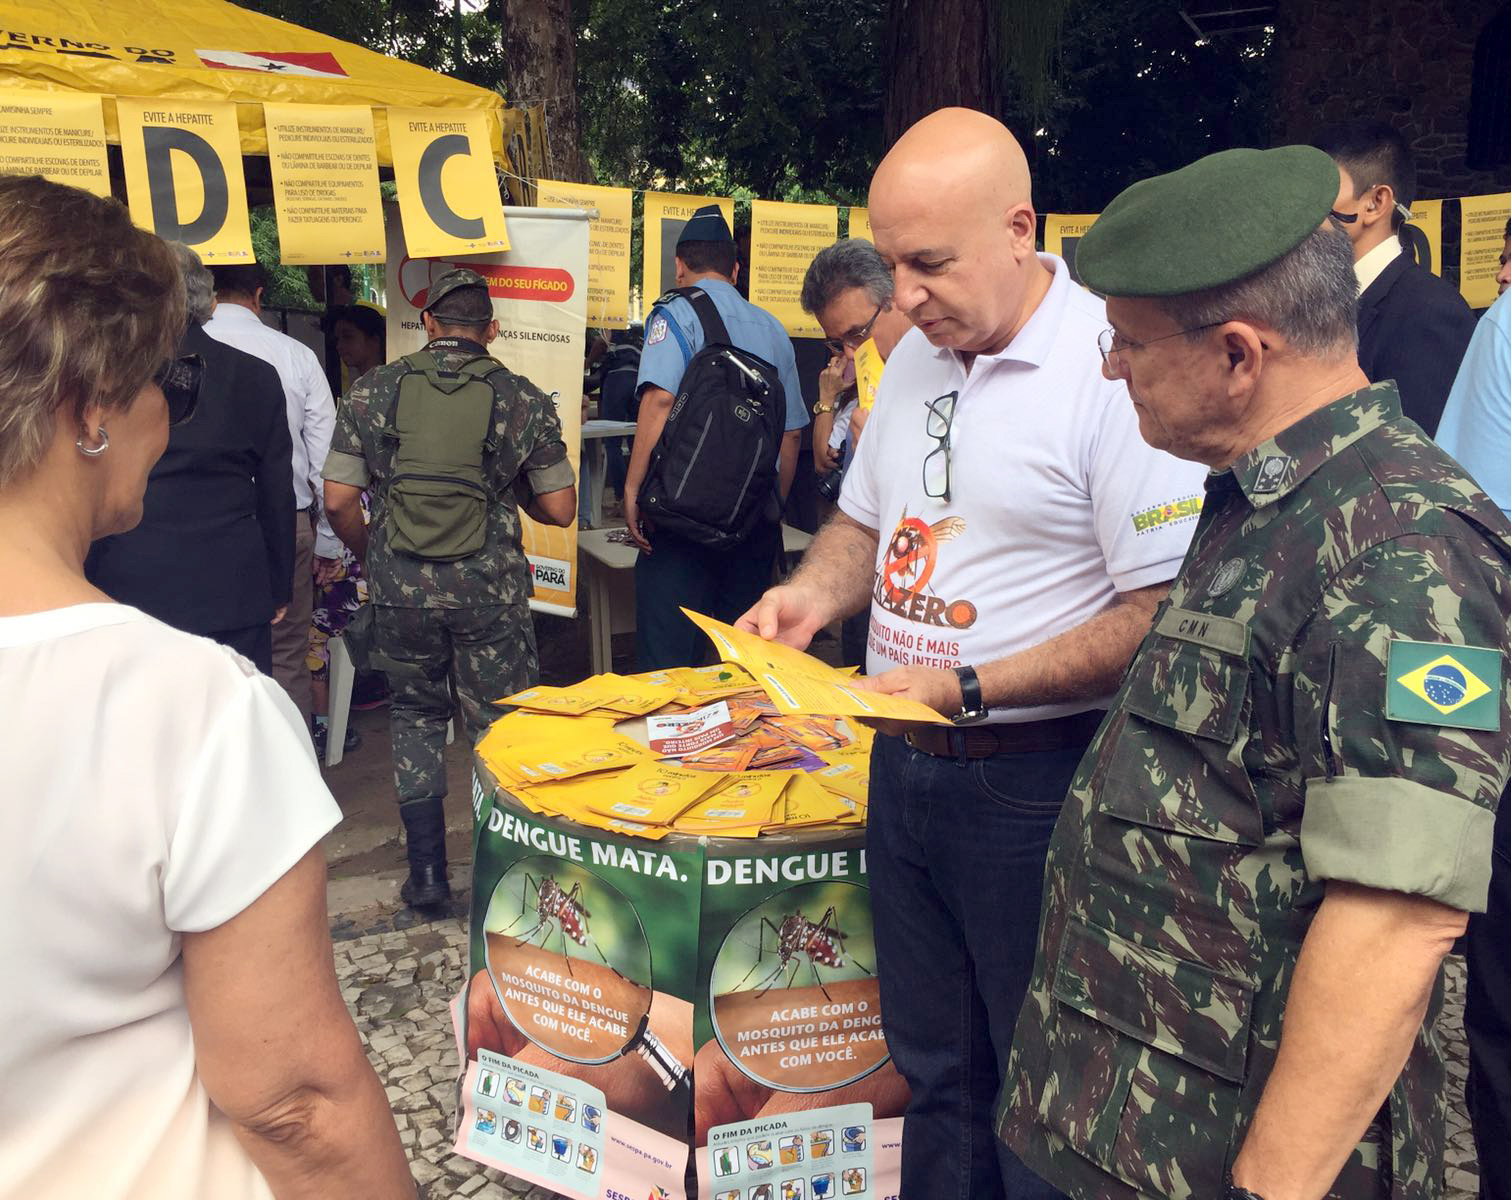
x,y
707,313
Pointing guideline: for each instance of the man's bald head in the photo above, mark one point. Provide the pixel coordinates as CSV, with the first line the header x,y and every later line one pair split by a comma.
x,y
951,209
955,152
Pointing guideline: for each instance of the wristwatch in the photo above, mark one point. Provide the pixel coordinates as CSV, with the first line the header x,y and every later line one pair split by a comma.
x,y
1233,1192
823,407
972,707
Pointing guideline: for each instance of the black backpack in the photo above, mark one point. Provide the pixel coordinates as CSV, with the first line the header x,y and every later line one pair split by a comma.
x,y
713,474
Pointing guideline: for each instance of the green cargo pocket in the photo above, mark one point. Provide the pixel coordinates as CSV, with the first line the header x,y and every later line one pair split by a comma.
x,y
1150,1053
437,512
1178,762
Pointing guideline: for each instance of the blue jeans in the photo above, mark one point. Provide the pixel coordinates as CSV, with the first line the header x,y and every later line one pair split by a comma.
x,y
956,857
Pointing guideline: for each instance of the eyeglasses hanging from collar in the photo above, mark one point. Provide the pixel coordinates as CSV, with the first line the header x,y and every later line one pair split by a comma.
x,y
936,464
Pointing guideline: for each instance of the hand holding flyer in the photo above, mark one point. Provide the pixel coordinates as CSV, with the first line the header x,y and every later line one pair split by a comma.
x,y
800,683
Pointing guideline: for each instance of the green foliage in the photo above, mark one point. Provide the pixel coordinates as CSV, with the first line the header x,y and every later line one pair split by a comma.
x,y
782,99
288,287
1135,94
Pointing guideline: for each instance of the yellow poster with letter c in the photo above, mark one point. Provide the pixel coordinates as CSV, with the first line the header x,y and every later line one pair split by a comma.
x,y
448,193
183,174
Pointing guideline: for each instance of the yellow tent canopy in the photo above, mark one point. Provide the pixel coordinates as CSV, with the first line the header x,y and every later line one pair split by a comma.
x,y
212,50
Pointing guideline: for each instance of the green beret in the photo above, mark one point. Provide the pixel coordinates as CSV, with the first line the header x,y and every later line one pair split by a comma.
x,y
1214,222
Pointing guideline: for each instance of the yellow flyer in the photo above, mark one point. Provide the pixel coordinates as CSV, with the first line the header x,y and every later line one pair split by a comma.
x,y
325,182
809,804
800,683
653,793
564,701
747,802
183,174
538,764
868,365
57,135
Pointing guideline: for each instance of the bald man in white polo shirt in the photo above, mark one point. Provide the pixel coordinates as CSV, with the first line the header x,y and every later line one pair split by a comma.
x,y
1013,535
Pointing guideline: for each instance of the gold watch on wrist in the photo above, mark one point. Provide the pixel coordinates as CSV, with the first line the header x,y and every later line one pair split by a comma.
x,y
823,407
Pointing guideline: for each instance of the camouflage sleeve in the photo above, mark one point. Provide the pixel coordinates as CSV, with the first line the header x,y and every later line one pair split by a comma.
x,y
538,433
346,462
1400,710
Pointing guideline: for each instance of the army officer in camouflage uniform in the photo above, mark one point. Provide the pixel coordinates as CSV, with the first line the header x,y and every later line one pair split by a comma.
x,y
439,624
1285,819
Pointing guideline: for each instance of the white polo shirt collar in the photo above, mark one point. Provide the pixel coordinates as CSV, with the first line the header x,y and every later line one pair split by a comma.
x,y
1035,341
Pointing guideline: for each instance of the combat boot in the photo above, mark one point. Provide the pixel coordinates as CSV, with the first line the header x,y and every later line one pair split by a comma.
x,y
427,886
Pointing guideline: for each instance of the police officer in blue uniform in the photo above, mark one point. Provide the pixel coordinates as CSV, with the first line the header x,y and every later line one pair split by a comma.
x,y
672,571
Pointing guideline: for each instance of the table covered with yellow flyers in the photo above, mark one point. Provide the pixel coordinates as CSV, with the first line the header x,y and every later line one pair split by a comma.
x,y
671,943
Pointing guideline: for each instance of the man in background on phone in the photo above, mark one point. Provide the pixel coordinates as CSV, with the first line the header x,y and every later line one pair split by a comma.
x,y
848,288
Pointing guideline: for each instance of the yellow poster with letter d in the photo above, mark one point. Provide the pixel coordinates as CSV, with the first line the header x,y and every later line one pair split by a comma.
x,y
183,175
448,193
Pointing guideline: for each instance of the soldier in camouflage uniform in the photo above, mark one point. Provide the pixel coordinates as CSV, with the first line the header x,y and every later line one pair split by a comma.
x,y
1287,814
444,625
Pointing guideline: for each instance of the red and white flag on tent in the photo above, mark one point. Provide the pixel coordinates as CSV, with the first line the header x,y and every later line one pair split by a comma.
x,y
320,64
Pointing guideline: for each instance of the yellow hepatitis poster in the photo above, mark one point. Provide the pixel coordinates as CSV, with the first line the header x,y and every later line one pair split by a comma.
x,y
665,214
1482,235
448,192
1062,232
783,240
57,135
325,183
860,224
608,246
183,174
1427,215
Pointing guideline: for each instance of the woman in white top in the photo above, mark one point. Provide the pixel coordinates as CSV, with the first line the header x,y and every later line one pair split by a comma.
x,y
170,1022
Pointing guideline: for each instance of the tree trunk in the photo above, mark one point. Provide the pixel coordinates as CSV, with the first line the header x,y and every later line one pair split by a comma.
x,y
540,61
939,53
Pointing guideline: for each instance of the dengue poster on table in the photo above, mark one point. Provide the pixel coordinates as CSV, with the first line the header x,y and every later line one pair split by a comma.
x,y
540,295
795,1093
576,1022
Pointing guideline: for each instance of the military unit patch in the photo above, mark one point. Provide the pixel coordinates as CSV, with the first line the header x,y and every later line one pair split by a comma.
x,y
1271,472
1430,683
1227,575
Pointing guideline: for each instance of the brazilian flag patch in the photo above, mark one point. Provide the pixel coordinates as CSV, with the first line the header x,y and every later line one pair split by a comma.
x,y
1431,683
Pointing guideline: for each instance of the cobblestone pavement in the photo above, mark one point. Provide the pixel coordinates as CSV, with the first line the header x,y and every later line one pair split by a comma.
x,y
399,982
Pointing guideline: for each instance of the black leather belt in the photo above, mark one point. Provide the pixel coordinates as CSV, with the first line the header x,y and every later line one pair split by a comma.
x,y
1027,737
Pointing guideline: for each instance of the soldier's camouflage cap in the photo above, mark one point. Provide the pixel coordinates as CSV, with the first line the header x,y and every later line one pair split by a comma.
x,y
1211,223
460,295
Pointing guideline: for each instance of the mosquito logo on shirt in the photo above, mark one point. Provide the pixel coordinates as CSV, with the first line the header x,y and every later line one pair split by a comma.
x,y
902,583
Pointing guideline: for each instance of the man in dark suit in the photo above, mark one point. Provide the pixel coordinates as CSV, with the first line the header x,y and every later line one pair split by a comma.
x,y
1413,326
214,552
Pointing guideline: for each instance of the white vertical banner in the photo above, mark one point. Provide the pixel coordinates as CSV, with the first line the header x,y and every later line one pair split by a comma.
x,y
540,297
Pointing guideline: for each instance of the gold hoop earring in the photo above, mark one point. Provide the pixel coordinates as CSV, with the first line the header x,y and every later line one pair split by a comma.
x,y
94,451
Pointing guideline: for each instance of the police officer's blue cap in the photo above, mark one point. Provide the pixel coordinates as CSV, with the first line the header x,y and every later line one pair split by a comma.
x,y
1211,223
706,225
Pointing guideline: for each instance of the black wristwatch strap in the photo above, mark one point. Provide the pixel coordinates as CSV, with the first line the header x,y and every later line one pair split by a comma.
x,y
972,708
